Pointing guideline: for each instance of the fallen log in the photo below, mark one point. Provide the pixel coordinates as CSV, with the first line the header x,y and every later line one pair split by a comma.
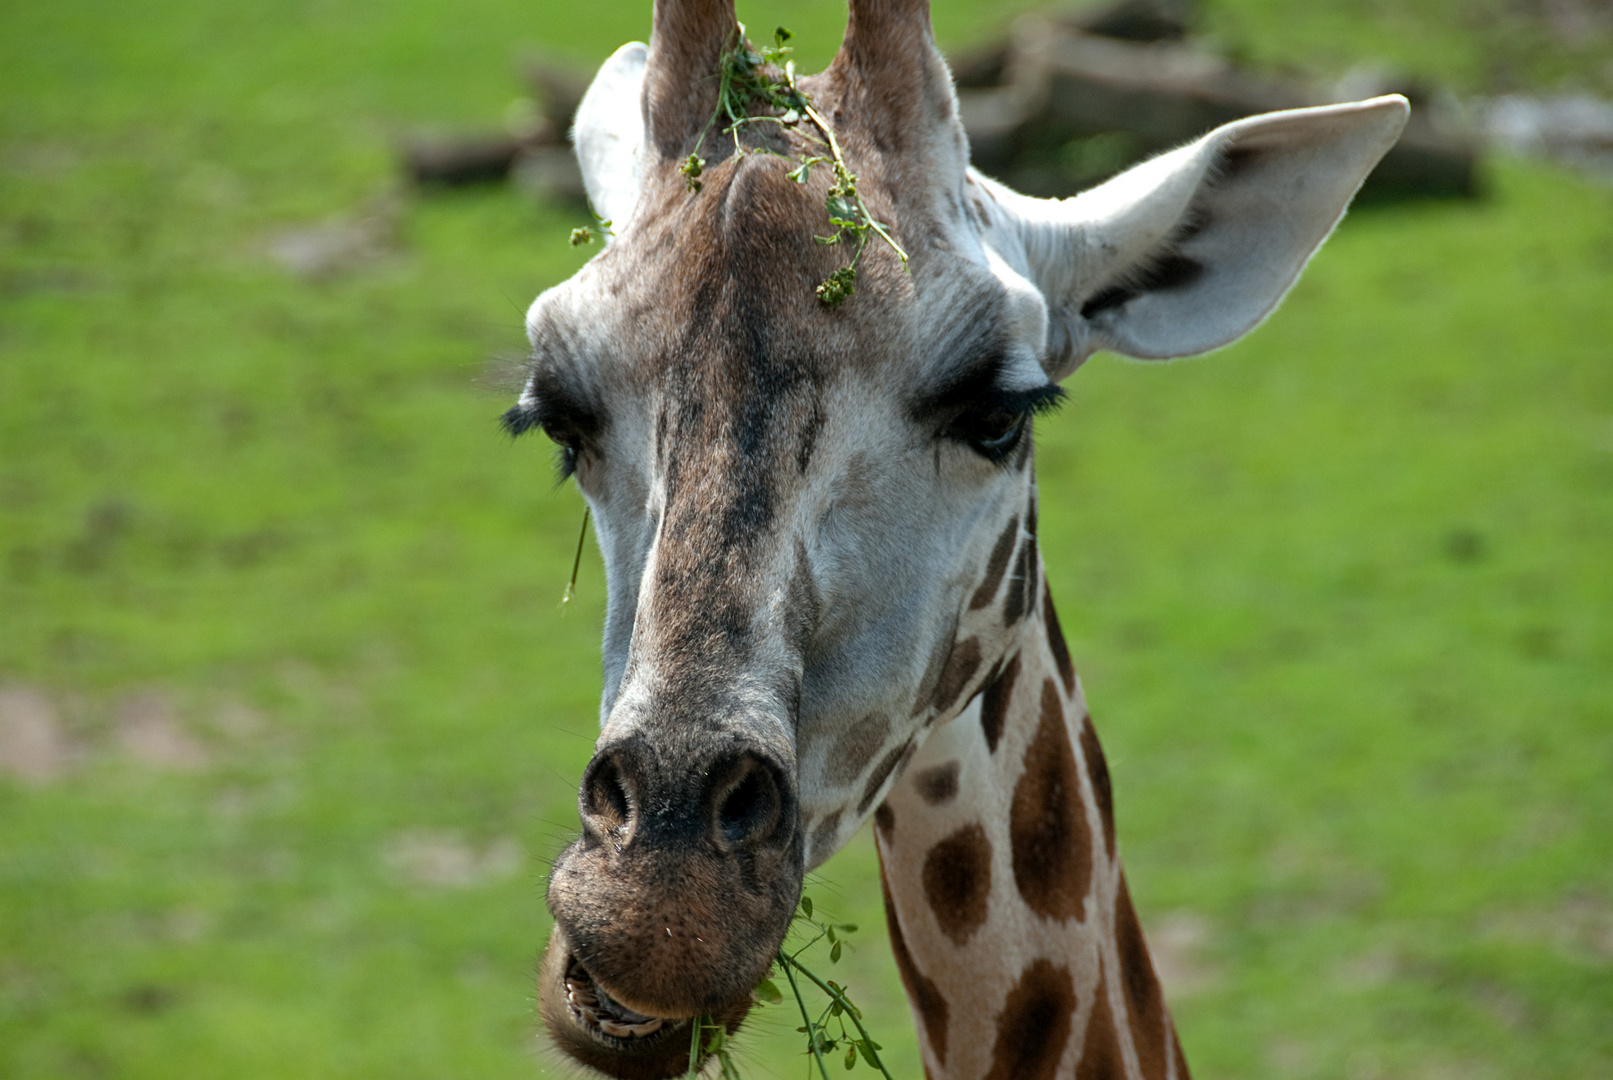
x,y
457,160
1071,107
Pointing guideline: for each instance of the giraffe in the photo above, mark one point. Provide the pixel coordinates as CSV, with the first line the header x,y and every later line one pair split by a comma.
x,y
825,599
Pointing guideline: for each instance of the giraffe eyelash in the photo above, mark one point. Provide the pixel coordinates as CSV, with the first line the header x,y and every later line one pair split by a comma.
x,y
548,405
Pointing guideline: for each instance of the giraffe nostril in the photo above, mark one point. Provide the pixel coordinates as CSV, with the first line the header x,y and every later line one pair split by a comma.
x,y
607,800
749,805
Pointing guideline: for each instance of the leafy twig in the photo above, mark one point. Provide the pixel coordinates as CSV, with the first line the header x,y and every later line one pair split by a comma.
x,y
743,81
817,1031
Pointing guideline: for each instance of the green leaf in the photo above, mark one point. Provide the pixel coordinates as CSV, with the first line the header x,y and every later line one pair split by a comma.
x,y
830,930
851,1056
806,906
834,954
849,928
767,991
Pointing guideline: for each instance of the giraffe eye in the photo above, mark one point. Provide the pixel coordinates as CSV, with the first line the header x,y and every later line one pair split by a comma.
x,y
566,462
993,433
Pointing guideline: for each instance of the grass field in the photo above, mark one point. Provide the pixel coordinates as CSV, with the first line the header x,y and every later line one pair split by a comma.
x,y
294,720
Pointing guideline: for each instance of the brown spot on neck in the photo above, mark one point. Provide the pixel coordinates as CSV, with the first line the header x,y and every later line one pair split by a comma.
x,y
939,656
1052,845
1034,1026
957,882
921,990
938,784
825,833
885,822
994,703
1101,1057
1149,1020
1102,789
995,565
960,669
855,747
1055,641
882,772
1021,585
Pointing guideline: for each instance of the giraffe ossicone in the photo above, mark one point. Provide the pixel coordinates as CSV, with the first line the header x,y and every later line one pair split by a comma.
x,y
825,596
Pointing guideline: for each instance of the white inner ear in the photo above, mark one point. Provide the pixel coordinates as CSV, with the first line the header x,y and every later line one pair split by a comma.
x,y
1191,250
609,134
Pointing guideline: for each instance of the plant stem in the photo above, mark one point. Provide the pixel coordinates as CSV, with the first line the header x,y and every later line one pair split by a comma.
x,y
845,1004
787,961
576,563
834,148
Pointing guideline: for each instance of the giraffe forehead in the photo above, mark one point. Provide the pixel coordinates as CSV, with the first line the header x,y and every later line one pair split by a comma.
x,y
712,298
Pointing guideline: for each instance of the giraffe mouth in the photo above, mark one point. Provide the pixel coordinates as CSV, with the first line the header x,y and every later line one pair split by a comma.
x,y
593,1010
590,1026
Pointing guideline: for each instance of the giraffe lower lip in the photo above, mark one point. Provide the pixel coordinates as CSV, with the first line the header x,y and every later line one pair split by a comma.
x,y
601,1015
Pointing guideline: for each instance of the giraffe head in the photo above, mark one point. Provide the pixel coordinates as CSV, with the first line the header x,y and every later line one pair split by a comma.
x,y
809,515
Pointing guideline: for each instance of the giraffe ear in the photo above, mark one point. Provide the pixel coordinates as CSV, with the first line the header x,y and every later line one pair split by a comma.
x,y
609,134
1191,250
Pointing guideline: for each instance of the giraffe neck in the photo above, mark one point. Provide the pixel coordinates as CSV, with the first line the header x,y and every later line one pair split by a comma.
x,y
1008,912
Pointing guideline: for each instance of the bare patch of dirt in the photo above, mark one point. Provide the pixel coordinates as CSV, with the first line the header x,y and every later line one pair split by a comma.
x,y
33,746
239,721
1368,970
443,858
321,250
148,730
1581,927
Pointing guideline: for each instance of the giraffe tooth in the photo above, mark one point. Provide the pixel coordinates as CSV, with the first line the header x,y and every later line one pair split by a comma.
x,y
611,1027
649,1027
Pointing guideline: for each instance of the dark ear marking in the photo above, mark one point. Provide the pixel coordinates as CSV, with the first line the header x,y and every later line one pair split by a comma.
x,y
1171,271
1235,160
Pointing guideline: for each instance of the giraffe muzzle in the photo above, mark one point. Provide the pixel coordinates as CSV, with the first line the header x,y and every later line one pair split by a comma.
x,y
674,901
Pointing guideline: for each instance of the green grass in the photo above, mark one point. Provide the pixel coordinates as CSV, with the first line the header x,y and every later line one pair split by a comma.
x,y
1341,594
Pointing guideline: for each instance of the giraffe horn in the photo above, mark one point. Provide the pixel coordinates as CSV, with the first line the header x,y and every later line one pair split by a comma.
x,y
894,77
686,44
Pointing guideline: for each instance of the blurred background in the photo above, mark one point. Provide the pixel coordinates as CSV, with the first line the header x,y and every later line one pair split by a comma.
x,y
291,718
